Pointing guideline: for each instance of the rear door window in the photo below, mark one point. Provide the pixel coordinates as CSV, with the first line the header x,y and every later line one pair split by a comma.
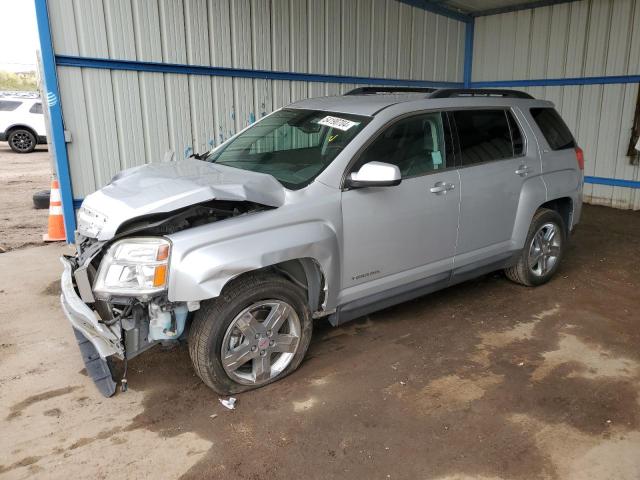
x,y
484,136
9,105
555,131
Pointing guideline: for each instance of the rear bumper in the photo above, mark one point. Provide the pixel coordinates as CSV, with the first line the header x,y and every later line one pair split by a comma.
x,y
106,341
3,137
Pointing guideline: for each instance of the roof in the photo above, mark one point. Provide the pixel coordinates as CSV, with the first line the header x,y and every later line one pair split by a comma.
x,y
369,105
16,95
366,105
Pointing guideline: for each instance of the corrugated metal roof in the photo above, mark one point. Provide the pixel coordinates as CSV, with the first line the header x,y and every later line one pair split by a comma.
x,y
473,8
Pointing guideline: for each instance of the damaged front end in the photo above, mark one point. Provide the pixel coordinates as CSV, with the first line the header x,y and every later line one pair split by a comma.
x,y
114,292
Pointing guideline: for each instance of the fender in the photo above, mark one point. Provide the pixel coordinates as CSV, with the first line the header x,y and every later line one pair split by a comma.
x,y
566,183
200,267
532,195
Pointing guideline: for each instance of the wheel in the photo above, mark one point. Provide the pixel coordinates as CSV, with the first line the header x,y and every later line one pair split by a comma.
x,y
22,140
41,199
255,333
542,252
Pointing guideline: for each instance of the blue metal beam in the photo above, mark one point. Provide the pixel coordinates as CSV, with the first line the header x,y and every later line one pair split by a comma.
x,y
558,82
468,52
522,6
87,62
52,94
438,9
613,182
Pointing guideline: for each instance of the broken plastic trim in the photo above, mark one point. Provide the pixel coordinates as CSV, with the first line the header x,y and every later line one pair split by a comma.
x,y
97,368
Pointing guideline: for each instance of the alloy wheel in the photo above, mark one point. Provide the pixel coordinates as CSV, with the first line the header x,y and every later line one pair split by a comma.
x,y
544,250
22,141
260,342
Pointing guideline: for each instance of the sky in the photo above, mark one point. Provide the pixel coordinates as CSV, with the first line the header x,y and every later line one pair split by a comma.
x,y
18,35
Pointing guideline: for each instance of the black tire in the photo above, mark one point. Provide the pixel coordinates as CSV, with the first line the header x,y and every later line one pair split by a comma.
x,y
22,140
523,272
211,322
41,199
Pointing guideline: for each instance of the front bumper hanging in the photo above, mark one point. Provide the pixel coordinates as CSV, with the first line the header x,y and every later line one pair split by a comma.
x,y
106,341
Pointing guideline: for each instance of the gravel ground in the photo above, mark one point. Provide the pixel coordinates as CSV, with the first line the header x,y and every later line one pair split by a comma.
x,y
21,175
485,380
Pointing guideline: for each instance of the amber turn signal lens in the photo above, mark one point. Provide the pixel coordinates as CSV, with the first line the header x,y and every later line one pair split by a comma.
x,y
163,252
160,276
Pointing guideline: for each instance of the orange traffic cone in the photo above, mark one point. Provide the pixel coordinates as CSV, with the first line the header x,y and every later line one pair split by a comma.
x,y
56,221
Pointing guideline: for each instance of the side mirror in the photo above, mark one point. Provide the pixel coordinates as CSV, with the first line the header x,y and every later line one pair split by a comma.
x,y
375,174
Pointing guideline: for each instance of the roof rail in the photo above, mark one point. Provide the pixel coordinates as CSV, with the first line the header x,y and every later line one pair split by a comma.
x,y
377,90
478,92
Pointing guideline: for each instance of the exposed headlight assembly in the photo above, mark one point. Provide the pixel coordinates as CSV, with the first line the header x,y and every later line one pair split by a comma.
x,y
134,266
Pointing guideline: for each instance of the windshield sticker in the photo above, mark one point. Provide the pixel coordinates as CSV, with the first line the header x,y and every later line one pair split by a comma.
x,y
339,123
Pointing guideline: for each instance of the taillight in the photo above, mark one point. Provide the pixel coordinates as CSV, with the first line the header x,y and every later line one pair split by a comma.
x,y
580,158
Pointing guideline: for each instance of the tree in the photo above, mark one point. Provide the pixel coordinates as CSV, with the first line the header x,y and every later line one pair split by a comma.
x,y
18,81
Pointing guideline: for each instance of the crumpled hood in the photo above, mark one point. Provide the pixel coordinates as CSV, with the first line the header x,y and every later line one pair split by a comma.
x,y
165,187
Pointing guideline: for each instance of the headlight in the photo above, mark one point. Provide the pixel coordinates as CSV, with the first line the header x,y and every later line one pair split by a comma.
x,y
135,266
90,222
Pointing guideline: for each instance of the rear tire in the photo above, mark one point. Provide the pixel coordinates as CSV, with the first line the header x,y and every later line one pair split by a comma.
x,y
235,341
22,140
543,250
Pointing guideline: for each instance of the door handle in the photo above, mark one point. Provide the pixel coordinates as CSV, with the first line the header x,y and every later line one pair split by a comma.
x,y
523,170
441,188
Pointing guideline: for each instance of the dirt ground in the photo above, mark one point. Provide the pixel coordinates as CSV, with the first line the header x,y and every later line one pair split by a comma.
x,y
484,380
21,175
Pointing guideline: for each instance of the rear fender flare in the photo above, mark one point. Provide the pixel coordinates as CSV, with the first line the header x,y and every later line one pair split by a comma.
x,y
20,126
532,195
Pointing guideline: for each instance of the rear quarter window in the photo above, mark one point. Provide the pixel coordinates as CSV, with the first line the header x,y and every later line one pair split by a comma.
x,y
555,131
9,105
36,108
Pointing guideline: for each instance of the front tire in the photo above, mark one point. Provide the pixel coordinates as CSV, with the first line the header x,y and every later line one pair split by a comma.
x,y
258,331
22,140
543,250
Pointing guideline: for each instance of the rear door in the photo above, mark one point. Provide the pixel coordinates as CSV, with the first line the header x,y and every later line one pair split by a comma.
x,y
493,166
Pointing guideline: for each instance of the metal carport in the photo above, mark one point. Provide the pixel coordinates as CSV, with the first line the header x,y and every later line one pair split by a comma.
x,y
128,81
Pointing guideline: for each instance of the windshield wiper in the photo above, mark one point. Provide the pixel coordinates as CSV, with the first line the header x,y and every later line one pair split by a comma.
x,y
199,156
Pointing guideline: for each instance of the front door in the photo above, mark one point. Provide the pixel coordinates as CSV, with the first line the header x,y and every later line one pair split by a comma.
x,y
393,236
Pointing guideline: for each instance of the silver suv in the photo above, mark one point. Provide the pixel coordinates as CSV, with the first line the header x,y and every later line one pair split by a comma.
x,y
331,207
